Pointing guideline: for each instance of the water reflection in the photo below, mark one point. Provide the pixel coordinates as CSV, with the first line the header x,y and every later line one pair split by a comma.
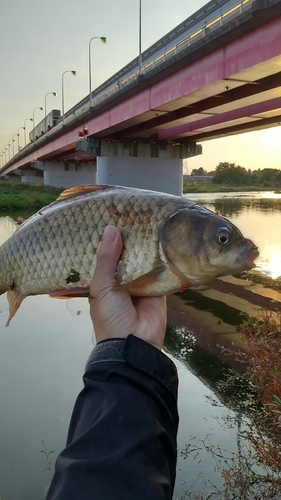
x,y
7,227
231,207
274,265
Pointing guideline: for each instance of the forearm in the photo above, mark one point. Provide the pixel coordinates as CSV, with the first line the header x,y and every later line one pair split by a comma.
x,y
122,437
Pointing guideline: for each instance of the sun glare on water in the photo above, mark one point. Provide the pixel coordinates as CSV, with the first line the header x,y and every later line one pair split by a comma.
x,y
274,264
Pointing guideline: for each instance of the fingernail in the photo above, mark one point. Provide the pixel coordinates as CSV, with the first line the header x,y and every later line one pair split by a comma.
x,y
109,233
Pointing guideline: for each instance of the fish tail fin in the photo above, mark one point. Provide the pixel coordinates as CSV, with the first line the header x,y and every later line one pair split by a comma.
x,y
15,299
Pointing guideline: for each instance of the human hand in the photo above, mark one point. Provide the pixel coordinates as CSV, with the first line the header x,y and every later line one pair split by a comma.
x,y
113,312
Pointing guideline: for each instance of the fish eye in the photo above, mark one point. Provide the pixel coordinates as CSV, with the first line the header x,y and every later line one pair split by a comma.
x,y
223,235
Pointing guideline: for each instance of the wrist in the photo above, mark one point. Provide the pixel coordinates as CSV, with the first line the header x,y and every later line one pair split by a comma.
x,y
137,354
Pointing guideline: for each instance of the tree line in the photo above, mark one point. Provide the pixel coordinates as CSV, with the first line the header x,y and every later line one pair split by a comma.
x,y
235,175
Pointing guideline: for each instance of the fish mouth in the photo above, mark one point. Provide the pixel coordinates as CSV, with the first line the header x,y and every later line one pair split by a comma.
x,y
248,256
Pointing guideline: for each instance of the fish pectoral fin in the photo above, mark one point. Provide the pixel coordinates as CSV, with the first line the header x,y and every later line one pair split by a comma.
x,y
184,281
15,299
147,284
164,279
70,294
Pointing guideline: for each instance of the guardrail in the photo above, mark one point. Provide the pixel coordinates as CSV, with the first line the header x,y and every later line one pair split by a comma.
x,y
183,44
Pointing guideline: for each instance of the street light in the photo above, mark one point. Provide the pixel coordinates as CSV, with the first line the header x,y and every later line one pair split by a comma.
x,y
31,119
62,90
140,58
49,93
18,134
103,40
7,149
13,143
33,114
9,145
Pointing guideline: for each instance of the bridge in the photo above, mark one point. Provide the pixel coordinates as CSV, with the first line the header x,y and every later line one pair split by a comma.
x,y
216,74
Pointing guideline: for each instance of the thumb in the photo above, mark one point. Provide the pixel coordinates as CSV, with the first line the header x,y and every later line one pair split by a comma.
x,y
107,258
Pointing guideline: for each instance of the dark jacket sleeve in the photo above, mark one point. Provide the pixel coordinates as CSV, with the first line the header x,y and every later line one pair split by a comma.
x,y
121,443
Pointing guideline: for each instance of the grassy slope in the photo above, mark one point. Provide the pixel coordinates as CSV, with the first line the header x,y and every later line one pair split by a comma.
x,y
25,198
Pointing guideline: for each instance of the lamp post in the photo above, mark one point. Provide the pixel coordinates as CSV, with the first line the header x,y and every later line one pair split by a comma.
x,y
18,134
103,40
6,149
62,90
140,58
4,153
9,145
13,143
48,93
31,119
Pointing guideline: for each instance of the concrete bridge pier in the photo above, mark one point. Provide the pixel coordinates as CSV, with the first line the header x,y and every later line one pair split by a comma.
x,y
142,163
147,173
66,174
30,175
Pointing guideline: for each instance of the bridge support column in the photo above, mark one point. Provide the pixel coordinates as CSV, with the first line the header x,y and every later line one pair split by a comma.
x,y
32,179
66,174
142,163
147,173
31,176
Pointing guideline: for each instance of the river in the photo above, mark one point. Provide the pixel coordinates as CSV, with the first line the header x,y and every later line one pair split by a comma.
x,y
44,350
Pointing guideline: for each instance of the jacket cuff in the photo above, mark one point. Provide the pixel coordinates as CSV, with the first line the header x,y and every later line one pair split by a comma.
x,y
139,354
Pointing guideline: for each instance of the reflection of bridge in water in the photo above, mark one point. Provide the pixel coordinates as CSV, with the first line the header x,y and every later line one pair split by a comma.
x,y
214,312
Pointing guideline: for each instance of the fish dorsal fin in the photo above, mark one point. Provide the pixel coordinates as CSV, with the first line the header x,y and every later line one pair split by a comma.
x,y
80,190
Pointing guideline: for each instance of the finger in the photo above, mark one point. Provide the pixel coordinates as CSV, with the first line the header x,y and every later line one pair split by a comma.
x,y
107,258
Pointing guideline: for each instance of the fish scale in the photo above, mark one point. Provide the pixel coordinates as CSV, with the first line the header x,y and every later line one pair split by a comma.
x,y
163,236
72,239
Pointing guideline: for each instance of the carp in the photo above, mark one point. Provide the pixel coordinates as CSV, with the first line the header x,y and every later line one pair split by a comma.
x,y
169,244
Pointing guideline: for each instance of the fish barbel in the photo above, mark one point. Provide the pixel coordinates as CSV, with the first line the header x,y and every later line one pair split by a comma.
x,y
169,244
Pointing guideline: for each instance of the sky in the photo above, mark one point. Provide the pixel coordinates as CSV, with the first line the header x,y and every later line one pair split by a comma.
x,y
40,39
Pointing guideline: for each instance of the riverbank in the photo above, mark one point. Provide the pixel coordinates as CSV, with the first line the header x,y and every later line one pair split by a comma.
x,y
24,199
210,187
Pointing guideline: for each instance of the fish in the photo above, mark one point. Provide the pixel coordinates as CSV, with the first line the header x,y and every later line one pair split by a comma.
x,y
169,244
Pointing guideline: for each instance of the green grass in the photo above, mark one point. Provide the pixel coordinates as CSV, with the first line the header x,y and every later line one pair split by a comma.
x,y
25,199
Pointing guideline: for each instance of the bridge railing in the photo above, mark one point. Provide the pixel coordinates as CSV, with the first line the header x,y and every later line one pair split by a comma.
x,y
208,27
219,21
